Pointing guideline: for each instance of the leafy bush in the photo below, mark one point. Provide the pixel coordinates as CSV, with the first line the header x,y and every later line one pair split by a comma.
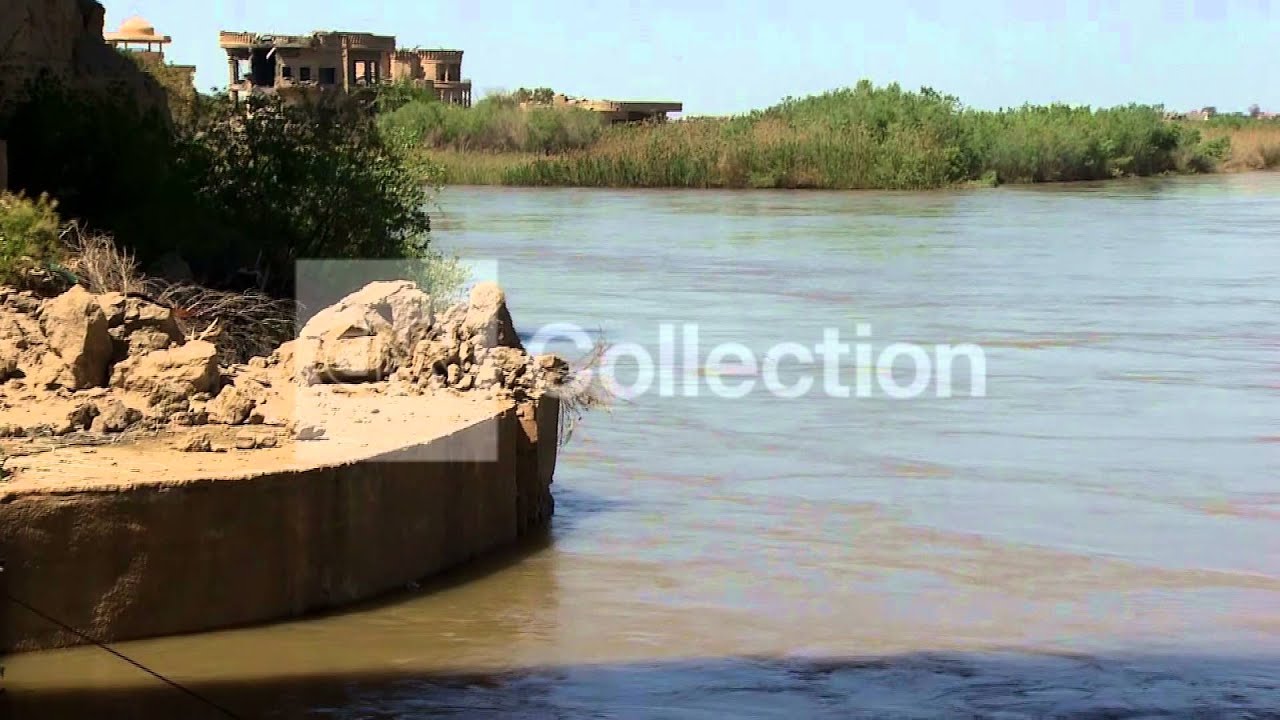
x,y
239,192
29,233
309,181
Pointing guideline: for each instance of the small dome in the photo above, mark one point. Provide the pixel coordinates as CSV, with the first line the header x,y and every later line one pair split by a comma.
x,y
136,29
137,26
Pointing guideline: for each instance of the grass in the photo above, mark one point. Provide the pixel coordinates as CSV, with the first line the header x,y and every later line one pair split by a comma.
x,y
1253,147
496,123
864,137
459,167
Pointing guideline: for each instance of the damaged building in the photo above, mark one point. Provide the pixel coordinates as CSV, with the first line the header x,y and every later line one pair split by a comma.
x,y
342,61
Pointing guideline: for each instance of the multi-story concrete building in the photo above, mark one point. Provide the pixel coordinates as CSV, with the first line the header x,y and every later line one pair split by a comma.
x,y
297,64
441,69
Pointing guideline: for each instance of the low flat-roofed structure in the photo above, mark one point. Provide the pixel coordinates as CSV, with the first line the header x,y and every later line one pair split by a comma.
x,y
623,111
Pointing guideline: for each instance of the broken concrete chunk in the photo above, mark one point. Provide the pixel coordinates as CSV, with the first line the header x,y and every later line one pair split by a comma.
x,y
195,443
487,318
76,330
232,406
79,419
189,418
112,305
8,362
145,340
399,303
355,359
114,417
179,372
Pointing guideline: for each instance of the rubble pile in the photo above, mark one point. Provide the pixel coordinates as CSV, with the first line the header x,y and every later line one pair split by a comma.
x,y
114,363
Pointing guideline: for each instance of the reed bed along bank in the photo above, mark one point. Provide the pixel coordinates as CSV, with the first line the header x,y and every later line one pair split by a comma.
x,y
1254,146
864,137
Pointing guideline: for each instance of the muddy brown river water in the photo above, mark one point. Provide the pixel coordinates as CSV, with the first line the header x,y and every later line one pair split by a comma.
x,y
1097,537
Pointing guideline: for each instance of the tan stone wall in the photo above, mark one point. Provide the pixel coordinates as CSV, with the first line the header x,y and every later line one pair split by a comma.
x,y
153,560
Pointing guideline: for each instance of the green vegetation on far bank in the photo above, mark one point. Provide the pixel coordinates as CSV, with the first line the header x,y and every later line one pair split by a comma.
x,y
863,137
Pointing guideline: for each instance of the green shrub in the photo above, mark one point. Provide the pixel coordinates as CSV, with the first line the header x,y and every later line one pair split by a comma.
x,y
285,182
29,234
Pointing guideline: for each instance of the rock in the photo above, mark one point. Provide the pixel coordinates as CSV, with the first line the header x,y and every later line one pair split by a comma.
x,y
11,431
435,356
509,361
140,313
79,419
267,441
246,441
352,344
166,403
232,406
453,374
487,375
405,307
76,330
8,362
24,302
189,418
356,359
488,320
465,383
553,368
145,340
114,417
112,306
276,410
309,432
170,374
195,443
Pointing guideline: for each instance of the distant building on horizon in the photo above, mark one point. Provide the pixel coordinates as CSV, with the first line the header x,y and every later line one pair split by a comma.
x,y
292,65
617,111
1202,114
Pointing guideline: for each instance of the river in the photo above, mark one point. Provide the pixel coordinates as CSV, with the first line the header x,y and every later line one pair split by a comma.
x,y
1097,535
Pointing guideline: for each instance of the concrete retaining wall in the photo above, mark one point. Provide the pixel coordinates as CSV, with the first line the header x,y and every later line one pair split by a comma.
x,y
153,559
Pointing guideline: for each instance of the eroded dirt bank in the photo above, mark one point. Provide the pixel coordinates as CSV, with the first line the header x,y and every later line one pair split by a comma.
x,y
150,491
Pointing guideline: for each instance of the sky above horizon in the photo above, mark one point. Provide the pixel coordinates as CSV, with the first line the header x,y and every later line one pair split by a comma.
x,y
720,57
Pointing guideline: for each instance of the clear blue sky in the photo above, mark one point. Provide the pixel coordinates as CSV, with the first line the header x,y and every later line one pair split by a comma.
x,y
720,56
